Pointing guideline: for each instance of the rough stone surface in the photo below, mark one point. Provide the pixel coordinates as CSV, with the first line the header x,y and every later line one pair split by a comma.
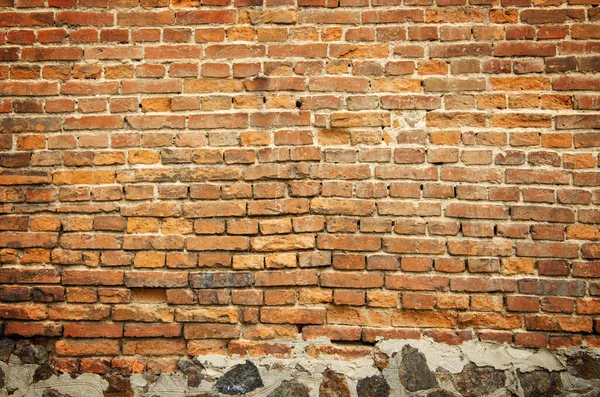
x,y
31,354
414,373
469,374
290,388
192,371
118,386
242,378
334,385
540,383
43,372
373,386
476,381
583,365
7,346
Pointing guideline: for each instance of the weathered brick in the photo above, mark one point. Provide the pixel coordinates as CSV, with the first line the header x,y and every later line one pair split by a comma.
x,y
175,179
220,280
292,315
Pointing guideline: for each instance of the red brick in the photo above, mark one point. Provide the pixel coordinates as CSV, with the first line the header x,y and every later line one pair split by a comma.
x,y
145,18
31,329
90,347
417,283
266,155
292,315
92,330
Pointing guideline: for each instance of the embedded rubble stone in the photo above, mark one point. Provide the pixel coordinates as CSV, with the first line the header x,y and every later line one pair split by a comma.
x,y
31,354
290,388
540,383
7,346
382,361
242,378
582,365
476,381
43,372
581,377
414,373
118,386
373,386
191,371
333,385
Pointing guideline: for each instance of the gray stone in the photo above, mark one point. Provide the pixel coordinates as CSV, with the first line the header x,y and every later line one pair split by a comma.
x,y
7,346
31,354
192,371
582,365
476,381
118,386
290,388
540,383
413,371
1,378
373,386
242,378
333,385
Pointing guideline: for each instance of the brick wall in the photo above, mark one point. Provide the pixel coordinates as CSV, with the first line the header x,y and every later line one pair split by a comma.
x,y
186,177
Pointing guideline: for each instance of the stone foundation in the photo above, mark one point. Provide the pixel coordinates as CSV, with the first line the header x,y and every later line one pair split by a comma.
x,y
409,368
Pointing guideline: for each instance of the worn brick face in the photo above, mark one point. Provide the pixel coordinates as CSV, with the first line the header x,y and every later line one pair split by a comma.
x,y
175,178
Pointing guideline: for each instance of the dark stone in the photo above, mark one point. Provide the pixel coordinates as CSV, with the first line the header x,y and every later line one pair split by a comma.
x,y
414,373
291,388
373,386
582,365
118,386
31,354
476,381
441,393
540,383
191,371
333,385
2,378
43,372
53,393
6,348
242,378
300,368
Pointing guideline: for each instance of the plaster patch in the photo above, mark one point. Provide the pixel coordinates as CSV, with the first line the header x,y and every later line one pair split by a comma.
x,y
84,385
